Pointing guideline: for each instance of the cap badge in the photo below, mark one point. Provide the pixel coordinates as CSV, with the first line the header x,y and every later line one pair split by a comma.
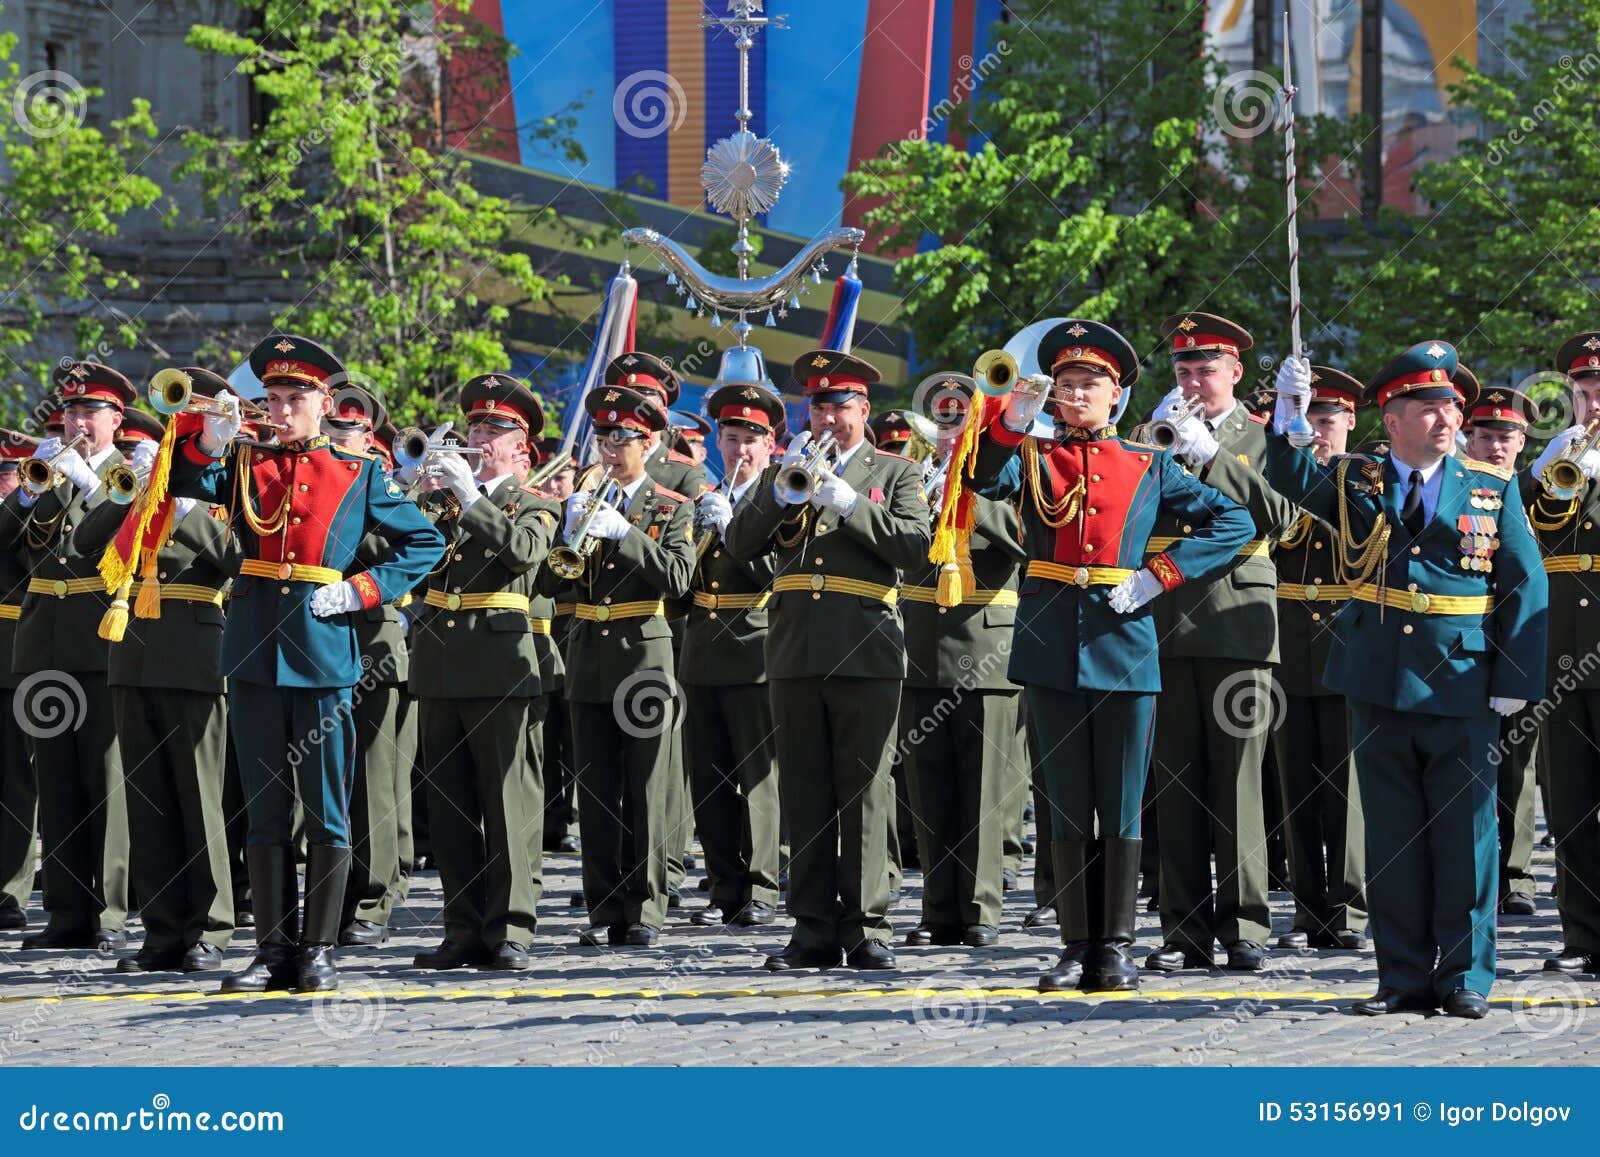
x,y
284,346
1077,330
1435,351
1187,324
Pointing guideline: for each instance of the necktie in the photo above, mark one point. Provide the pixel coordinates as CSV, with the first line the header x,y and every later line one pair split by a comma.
x,y
1411,511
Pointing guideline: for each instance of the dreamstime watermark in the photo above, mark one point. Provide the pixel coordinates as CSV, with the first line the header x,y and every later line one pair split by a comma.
x,y
32,1025
50,103
678,971
348,1015
1249,703
1248,103
969,74
1550,391
974,672
1280,967
1526,724
47,704
949,1004
1573,74
648,103
1547,1005
342,715
370,74
689,365
647,704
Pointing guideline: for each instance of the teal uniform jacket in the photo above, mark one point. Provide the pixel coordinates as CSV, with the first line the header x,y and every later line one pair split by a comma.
x,y
1067,636
1433,664
331,500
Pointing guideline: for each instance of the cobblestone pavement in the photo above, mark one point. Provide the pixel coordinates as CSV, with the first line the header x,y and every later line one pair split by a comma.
x,y
700,998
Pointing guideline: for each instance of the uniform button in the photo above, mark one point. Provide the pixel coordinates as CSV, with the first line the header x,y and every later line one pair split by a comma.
x,y
1094,449
303,458
1411,586
449,622
1088,548
1583,602
455,590
458,558
715,584
303,486
1092,510
607,599
604,631
1094,478
1316,546
291,554
716,554
1406,629
488,553
1187,529
711,614
283,590
62,560
816,562
944,610
1316,616
163,574
297,520
1416,550
816,594
1588,525
611,566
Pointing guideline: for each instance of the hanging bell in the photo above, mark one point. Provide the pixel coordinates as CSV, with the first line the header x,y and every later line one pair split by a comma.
x,y
672,278
769,318
690,304
716,320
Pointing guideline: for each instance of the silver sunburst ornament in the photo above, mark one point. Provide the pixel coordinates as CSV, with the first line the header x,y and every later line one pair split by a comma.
x,y
743,175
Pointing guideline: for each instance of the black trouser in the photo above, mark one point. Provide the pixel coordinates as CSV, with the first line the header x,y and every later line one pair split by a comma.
x,y
1571,738
560,800
19,809
385,751
728,737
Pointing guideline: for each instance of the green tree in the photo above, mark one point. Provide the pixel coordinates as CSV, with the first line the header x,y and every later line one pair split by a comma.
x,y
1116,175
351,186
65,186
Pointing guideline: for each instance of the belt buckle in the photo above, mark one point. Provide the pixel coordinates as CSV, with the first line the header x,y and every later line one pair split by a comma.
x,y
1586,562
1419,602
716,602
1313,592
602,613
452,602
60,588
818,582
285,570
1080,576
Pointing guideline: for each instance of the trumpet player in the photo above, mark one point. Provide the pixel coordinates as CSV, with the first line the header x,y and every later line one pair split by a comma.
x,y
289,647
82,812
555,737
1564,510
1085,648
843,523
165,679
625,556
19,787
728,726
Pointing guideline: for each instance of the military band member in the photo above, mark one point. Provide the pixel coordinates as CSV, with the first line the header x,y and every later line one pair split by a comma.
x,y
138,428
167,689
1321,803
475,674
963,742
692,431
728,734
19,789
1219,642
82,811
620,671
1497,430
1564,513
1445,632
289,649
836,658
560,799
1085,646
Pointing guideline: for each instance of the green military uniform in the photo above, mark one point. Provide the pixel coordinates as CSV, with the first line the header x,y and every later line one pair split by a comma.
x,y
560,779
167,690
82,806
545,715
962,752
19,789
835,662
475,675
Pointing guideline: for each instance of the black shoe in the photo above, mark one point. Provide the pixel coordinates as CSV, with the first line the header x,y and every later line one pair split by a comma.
x,y
1571,961
1028,847
603,935
1009,881
363,933
1350,941
1390,1000
870,954
448,955
1549,841
1243,956
569,844
640,936
1068,972
1043,916
508,956
1466,1004
794,956
1110,967
149,959
1295,941
1517,904
327,871
704,885
12,918
274,893
1172,957
755,913
576,901
1153,904
711,916
317,972
110,939
920,936
55,938
244,918
674,898
689,862
201,957
980,935
943,935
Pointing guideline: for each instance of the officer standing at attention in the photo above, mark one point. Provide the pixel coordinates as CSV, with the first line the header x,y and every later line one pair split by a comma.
x,y
19,790
1444,634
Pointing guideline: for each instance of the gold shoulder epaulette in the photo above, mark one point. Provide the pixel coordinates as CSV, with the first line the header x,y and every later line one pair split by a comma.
x,y
1140,445
1500,472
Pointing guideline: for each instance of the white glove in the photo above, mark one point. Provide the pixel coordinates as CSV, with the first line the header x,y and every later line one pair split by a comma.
x,y
221,428
795,455
1134,591
1169,405
715,511
334,599
144,457
835,493
404,476
75,470
1195,442
48,448
1555,448
1503,706
576,501
1294,392
452,471
609,524
1022,407
181,508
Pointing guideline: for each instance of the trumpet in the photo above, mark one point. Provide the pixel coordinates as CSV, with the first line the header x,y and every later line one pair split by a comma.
x,y
561,461
996,373
1164,431
124,484
39,475
1563,478
412,446
568,561
171,391
724,488
795,484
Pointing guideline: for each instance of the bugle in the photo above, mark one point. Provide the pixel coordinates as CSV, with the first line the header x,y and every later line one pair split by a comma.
x,y
413,445
795,484
1562,478
1163,432
39,474
568,560
561,461
171,391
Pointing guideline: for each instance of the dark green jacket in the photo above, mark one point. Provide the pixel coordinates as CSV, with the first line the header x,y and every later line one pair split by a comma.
x,y
181,650
727,647
57,634
1573,662
968,646
495,545
817,633
551,643
677,473
13,588
379,633
1306,625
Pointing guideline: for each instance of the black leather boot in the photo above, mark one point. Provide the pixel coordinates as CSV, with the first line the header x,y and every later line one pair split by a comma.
x,y
1075,867
1111,967
327,870
274,893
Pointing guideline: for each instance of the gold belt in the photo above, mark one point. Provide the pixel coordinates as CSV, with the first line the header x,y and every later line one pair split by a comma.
x,y
538,626
1314,592
11,611
1568,563
489,601
833,584
1255,548
1002,598
565,609
185,593
405,600
1422,603
61,588
715,602
1078,576
605,612
290,572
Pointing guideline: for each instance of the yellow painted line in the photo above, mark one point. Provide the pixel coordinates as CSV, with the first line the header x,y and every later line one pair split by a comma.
x,y
1164,996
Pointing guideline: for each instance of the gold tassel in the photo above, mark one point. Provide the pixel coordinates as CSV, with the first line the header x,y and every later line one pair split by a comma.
x,y
949,591
114,623
148,605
